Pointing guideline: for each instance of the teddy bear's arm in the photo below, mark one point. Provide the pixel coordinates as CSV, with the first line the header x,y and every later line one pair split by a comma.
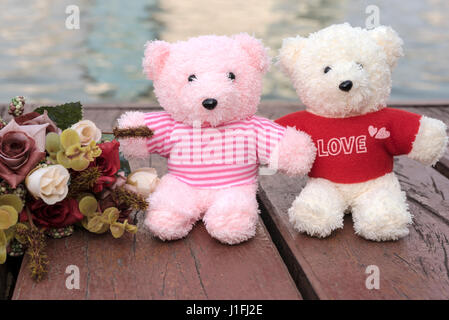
x,y
295,153
430,142
136,147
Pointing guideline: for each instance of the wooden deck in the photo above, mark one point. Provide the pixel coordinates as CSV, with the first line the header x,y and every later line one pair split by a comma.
x,y
278,263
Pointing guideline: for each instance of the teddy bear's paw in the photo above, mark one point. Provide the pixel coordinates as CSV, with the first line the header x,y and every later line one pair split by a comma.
x,y
382,214
168,225
318,210
431,141
231,227
384,227
296,153
133,147
315,221
131,119
381,223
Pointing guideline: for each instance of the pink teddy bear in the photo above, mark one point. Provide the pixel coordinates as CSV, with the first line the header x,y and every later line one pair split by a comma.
x,y
210,88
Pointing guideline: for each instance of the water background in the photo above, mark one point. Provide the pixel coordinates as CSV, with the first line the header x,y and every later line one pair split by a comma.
x,y
101,62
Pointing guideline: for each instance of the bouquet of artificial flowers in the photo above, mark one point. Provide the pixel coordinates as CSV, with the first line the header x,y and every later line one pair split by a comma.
x,y
58,171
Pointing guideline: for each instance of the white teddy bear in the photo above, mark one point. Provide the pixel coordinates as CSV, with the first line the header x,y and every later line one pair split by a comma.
x,y
343,76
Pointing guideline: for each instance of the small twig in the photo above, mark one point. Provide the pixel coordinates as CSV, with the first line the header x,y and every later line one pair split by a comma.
x,y
141,132
30,218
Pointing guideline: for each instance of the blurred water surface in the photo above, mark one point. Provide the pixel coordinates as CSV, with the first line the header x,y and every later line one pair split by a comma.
x,y
101,62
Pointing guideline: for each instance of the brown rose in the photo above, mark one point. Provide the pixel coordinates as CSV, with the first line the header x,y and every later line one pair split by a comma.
x,y
20,151
33,118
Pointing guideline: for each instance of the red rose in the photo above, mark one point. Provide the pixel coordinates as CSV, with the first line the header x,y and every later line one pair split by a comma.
x,y
59,215
108,163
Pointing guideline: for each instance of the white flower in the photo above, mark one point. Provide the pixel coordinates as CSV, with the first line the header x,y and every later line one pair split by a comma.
x,y
88,131
49,183
145,180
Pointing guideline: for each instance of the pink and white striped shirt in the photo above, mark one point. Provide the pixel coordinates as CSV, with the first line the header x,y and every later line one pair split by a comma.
x,y
214,157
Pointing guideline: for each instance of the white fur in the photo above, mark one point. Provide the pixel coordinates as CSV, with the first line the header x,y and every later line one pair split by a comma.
x,y
319,208
379,208
430,142
381,213
294,154
343,48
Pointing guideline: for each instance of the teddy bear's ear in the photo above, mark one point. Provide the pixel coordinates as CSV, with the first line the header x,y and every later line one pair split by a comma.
x,y
390,41
289,52
156,53
256,50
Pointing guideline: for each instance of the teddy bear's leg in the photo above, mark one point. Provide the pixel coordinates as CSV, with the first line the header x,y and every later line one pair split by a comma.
x,y
318,209
232,217
381,213
173,209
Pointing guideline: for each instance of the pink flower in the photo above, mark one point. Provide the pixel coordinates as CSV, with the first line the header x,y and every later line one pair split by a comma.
x,y
21,149
33,118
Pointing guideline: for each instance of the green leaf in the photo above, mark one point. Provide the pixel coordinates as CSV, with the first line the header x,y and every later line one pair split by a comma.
x,y
3,254
111,214
124,165
107,137
117,230
88,205
3,244
64,115
12,200
8,217
68,138
52,143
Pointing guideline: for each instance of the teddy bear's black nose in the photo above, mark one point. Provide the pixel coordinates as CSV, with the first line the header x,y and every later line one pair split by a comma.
x,y
209,104
345,85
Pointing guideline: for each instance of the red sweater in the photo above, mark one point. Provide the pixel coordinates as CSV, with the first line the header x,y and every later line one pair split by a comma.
x,y
356,149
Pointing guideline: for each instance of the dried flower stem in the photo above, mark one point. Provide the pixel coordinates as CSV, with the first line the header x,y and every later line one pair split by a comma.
x,y
83,181
141,132
30,218
129,198
35,241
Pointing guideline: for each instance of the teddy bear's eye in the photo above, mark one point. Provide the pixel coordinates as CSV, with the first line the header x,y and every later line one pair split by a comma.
x,y
327,69
231,76
191,77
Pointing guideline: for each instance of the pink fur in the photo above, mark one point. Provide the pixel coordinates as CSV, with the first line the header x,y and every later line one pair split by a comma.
x,y
133,148
232,217
230,214
255,49
296,153
156,53
210,59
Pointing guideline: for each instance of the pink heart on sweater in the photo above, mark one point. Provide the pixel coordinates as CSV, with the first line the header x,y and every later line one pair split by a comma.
x,y
372,131
382,134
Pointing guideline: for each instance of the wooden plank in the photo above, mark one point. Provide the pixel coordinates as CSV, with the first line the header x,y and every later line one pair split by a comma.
x,y
142,267
415,267
110,278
